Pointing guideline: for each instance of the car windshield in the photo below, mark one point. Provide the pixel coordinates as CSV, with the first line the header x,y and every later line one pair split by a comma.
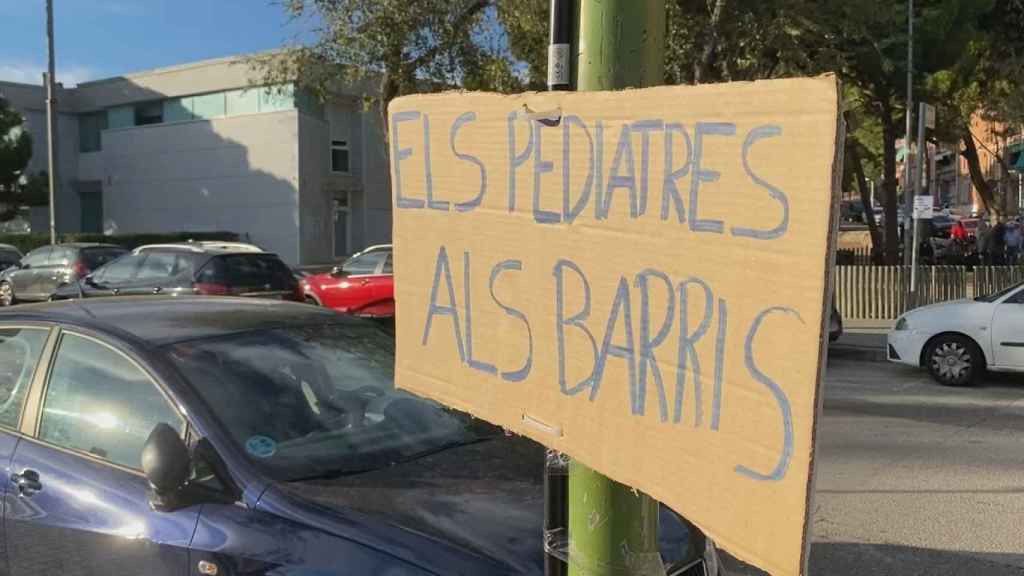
x,y
318,400
1000,294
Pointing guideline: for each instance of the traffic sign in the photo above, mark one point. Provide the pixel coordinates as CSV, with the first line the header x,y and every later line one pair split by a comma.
x,y
923,207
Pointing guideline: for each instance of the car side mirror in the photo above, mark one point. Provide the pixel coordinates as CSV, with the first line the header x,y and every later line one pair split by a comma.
x,y
338,271
24,265
167,465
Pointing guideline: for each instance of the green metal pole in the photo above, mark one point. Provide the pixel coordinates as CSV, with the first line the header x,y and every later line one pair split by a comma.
x,y
621,44
613,529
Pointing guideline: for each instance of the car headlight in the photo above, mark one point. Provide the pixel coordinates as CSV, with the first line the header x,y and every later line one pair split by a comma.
x,y
902,324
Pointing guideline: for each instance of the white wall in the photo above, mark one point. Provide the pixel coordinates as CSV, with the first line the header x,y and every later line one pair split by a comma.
x,y
239,174
315,202
376,177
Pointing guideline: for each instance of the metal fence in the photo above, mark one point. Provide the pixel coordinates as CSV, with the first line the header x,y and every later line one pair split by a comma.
x,y
881,292
992,279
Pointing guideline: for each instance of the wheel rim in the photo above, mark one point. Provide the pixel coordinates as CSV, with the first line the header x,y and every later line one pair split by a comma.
x,y
5,294
951,361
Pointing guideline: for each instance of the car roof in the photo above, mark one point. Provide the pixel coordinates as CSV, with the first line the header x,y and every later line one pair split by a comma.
x,y
81,245
9,247
216,248
159,320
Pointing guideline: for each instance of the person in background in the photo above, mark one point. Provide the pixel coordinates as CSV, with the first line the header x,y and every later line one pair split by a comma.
x,y
982,236
1013,239
958,232
997,243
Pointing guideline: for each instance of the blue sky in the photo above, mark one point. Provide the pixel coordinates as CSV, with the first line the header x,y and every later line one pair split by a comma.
x,y
102,38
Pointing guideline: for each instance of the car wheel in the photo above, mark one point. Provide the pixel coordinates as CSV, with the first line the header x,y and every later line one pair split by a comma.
x,y
954,360
7,295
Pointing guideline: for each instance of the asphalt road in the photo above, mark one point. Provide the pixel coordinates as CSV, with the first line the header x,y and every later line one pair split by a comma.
x,y
916,479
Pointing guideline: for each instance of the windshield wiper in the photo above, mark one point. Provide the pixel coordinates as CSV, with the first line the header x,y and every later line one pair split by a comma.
x,y
388,462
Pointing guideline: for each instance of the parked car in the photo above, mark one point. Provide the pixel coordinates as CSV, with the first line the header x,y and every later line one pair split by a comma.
x,y
958,341
189,268
171,436
42,271
9,256
363,285
211,244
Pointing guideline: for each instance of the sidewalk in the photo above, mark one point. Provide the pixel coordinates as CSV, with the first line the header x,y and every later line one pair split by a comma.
x,y
862,340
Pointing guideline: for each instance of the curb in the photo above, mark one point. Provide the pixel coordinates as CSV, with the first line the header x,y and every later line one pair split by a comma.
x,y
857,353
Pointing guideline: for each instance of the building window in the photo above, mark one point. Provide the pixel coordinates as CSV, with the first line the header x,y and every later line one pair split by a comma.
x,y
208,105
339,156
121,117
149,113
177,109
89,128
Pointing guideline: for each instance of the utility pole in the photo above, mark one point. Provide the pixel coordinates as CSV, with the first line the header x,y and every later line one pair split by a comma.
x,y
621,45
51,120
908,197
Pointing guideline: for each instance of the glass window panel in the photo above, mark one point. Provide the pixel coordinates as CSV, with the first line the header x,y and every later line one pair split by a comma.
x,y
178,109
275,98
121,117
149,113
99,402
89,128
242,102
20,349
208,105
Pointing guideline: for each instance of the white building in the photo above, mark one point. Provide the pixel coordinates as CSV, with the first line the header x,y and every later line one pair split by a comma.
x,y
196,148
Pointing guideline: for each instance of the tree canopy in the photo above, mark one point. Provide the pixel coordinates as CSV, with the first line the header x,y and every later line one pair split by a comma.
x,y
15,150
968,58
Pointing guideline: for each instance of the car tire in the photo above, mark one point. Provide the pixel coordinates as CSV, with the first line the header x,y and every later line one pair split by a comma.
x,y
954,360
7,297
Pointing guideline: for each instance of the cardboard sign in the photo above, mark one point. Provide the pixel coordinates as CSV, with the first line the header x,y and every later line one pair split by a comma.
x,y
635,278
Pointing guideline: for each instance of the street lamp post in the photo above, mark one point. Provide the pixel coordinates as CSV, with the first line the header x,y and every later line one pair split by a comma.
x,y
908,197
51,120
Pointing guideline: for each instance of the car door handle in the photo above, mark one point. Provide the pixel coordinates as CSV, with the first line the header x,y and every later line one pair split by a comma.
x,y
27,482
364,282
116,291
156,290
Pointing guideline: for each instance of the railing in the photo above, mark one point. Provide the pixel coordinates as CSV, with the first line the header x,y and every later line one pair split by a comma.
x,y
992,279
882,292
860,256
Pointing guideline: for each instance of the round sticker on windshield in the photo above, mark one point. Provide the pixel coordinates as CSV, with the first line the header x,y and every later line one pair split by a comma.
x,y
261,446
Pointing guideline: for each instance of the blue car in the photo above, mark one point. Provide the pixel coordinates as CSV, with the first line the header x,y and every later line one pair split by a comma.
x,y
226,436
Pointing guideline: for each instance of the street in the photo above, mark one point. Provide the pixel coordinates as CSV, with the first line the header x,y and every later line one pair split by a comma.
x,y
915,478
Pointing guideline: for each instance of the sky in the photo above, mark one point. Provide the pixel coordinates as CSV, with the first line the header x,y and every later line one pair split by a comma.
x,y
97,39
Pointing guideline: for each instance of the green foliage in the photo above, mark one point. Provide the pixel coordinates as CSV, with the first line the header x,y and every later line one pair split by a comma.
x,y
27,242
15,149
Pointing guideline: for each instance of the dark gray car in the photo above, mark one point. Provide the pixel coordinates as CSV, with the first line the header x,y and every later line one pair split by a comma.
x,y
43,270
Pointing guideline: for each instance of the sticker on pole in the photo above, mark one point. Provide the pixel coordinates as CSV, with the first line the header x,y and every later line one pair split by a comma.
x,y
638,279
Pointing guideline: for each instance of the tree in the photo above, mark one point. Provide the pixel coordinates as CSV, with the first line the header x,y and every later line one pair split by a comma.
x,y
400,47
987,80
15,151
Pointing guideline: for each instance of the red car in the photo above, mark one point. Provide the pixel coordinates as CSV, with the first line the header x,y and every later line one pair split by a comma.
x,y
363,285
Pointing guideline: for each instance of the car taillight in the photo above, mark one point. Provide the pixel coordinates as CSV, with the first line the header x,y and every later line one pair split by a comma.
x,y
210,289
79,269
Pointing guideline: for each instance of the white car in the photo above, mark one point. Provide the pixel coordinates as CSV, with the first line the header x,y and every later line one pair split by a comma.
x,y
957,341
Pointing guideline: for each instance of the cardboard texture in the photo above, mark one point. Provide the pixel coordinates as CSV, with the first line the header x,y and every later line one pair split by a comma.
x,y
635,278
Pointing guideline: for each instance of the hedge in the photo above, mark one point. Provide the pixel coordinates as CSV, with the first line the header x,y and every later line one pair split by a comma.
x,y
26,242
